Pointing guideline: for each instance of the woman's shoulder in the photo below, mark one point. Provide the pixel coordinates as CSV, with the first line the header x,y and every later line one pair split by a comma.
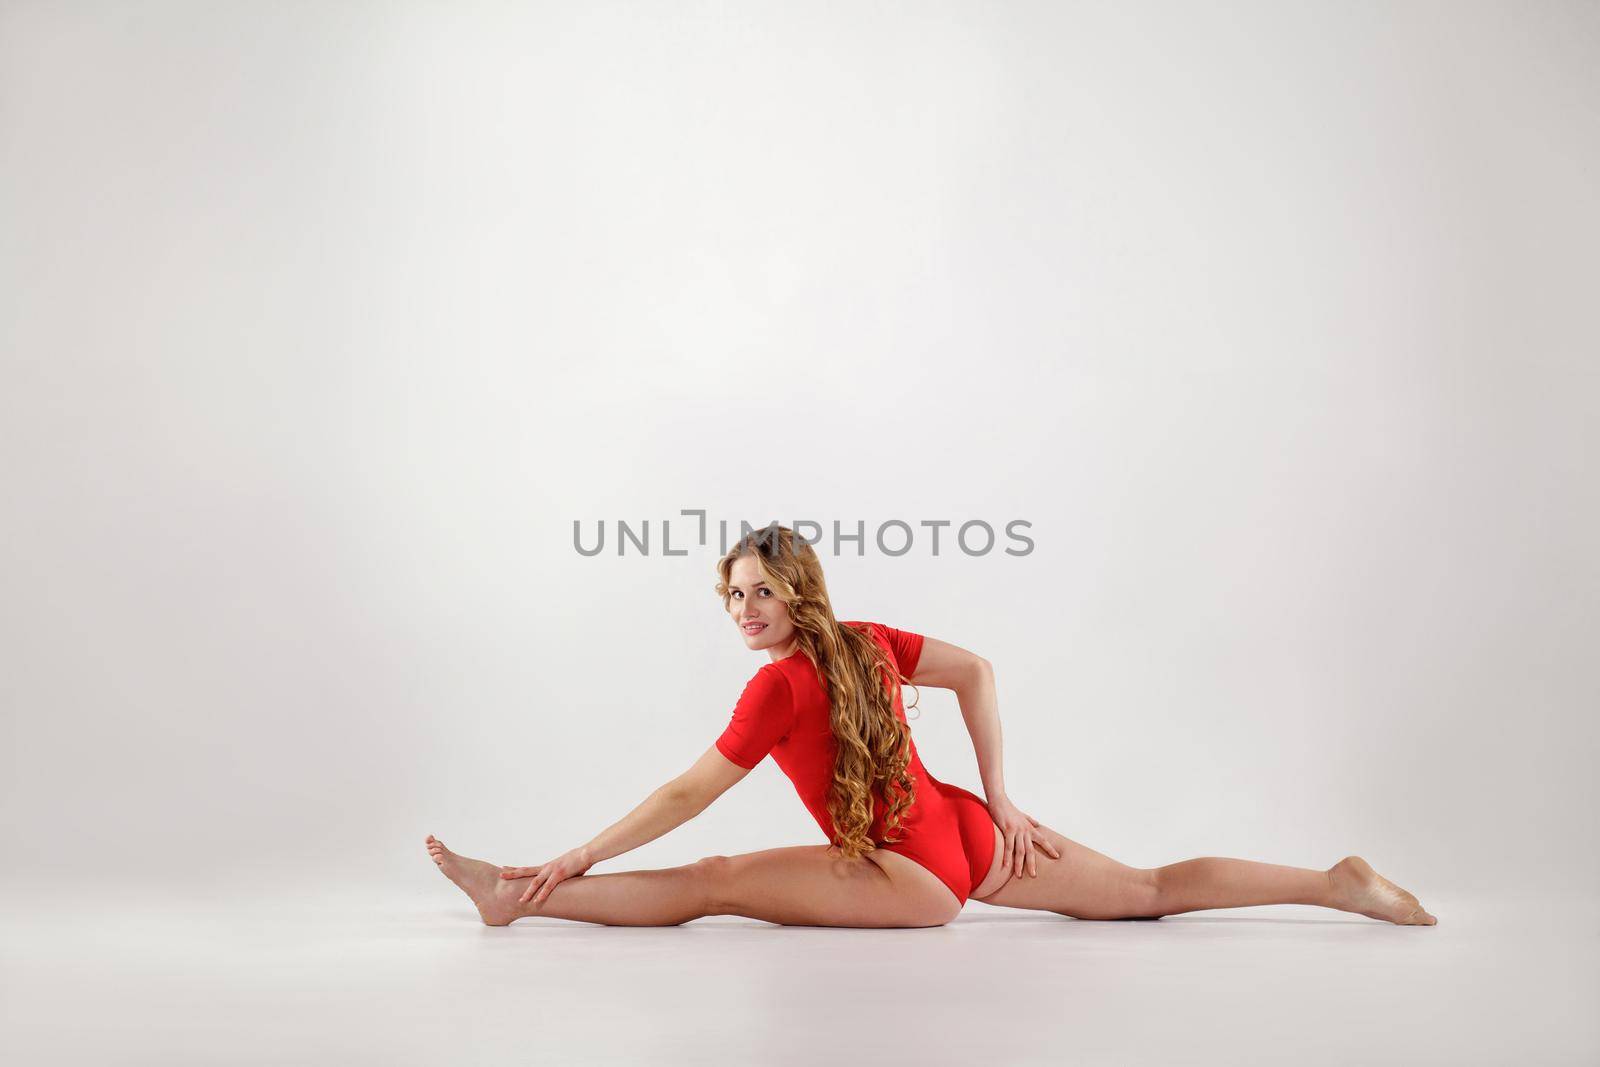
x,y
768,672
875,631
871,628
904,645
768,683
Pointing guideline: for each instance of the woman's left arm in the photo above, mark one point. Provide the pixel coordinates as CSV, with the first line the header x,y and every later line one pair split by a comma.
x,y
664,810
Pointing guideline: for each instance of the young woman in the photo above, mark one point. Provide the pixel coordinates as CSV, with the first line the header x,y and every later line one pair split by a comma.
x,y
905,849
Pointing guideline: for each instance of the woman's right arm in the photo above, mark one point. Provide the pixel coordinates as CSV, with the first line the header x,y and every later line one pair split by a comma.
x,y
946,666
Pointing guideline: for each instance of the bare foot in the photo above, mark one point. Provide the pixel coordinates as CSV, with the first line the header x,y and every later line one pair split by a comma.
x,y
1359,888
495,897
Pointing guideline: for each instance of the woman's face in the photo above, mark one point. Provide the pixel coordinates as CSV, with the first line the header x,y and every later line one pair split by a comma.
x,y
762,618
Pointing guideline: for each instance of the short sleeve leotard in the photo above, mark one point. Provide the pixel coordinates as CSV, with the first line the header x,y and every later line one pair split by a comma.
x,y
784,711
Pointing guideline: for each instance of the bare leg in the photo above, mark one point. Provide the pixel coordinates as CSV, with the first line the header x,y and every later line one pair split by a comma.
x,y
1085,884
666,897
1215,882
1349,885
802,885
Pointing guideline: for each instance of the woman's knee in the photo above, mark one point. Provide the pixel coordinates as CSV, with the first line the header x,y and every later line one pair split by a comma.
x,y
713,880
1153,891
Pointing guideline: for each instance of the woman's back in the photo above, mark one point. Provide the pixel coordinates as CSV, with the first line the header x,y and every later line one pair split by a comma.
x,y
784,711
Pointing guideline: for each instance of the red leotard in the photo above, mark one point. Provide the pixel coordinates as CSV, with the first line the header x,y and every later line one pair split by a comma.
x,y
784,710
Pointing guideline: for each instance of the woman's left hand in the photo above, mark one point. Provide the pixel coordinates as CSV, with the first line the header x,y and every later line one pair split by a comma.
x,y
1017,827
547,876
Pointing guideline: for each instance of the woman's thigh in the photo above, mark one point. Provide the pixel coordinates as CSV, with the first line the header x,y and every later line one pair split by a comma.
x,y
813,885
1083,883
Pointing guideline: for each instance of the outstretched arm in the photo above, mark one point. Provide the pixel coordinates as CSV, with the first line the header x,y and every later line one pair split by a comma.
x,y
664,810
668,807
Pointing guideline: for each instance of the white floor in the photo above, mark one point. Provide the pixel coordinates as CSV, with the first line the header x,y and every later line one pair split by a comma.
x,y
417,980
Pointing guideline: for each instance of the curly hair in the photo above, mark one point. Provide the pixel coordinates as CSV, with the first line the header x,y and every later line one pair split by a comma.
x,y
874,744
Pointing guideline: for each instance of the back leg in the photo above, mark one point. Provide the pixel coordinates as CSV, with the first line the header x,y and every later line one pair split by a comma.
x,y
1088,885
1083,883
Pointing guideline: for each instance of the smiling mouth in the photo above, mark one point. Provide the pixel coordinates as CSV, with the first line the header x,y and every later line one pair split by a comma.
x,y
753,628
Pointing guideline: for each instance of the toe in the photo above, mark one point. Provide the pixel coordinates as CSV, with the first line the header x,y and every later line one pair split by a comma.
x,y
1419,917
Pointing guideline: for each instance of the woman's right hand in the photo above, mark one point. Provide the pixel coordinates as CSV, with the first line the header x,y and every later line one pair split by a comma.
x,y
546,876
1021,836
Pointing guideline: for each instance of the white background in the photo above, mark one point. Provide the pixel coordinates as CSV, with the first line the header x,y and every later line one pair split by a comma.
x,y
323,323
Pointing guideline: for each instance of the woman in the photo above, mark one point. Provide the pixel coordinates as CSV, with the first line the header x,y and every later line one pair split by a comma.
x,y
906,849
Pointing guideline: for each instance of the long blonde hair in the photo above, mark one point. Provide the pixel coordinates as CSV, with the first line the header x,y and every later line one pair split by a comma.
x,y
874,743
